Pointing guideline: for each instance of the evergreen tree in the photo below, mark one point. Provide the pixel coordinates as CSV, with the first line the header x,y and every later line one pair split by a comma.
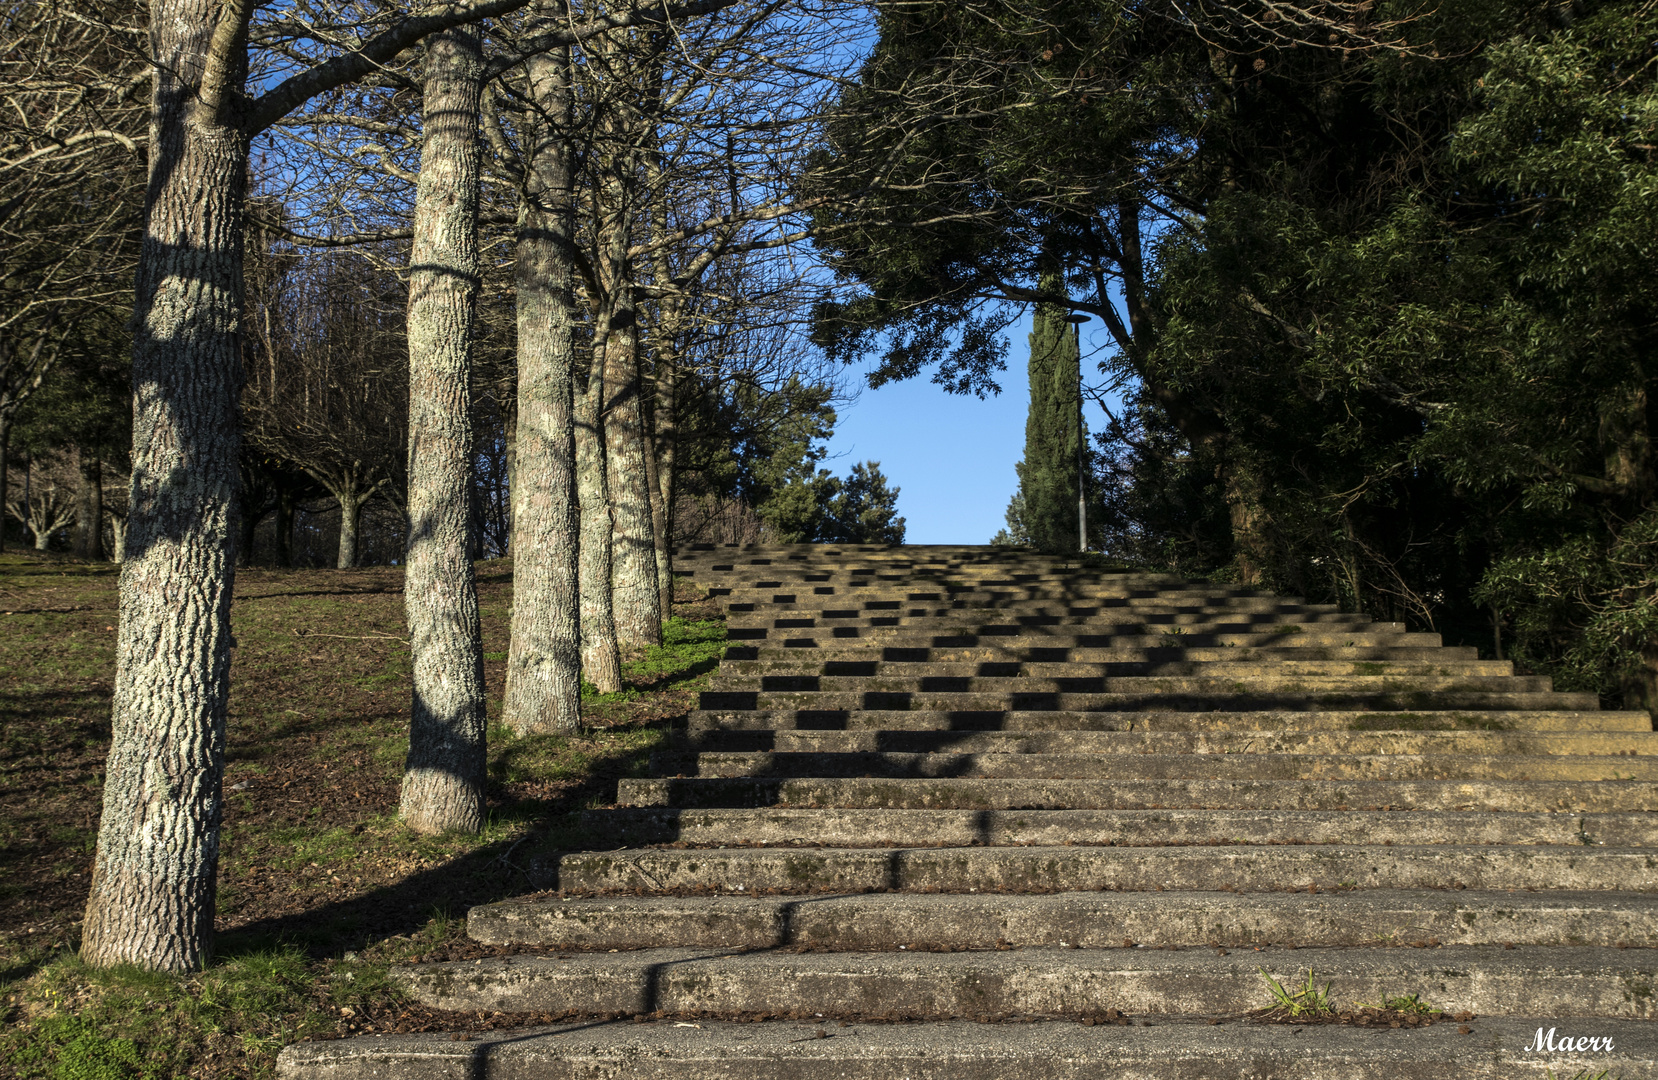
x,y
1053,430
864,510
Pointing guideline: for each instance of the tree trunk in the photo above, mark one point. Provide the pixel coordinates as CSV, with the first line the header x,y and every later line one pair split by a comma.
x,y
633,572
118,539
659,518
601,664
667,385
1249,547
5,475
285,527
153,885
351,502
89,506
544,659
443,779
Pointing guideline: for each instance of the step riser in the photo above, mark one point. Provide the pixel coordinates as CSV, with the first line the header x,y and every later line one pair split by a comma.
x,y
1149,657
1269,671
1031,869
1281,766
1597,797
973,984
1058,637
1161,720
945,701
1134,742
970,1051
883,922
970,828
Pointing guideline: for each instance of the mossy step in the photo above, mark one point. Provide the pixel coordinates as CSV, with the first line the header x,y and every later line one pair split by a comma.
x,y
876,922
997,718
1557,982
1492,1049
1275,765
1249,867
1057,828
1603,796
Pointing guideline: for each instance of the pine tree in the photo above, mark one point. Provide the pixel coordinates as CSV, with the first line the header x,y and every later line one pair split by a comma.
x,y
1048,475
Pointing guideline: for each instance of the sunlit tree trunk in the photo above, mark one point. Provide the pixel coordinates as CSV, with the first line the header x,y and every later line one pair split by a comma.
x,y
444,776
600,663
153,884
544,659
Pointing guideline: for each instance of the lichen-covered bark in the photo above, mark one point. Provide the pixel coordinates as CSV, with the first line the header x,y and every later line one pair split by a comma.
x,y
633,568
443,778
601,663
152,892
544,658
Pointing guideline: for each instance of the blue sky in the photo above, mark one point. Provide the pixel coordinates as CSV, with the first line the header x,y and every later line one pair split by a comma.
x,y
952,457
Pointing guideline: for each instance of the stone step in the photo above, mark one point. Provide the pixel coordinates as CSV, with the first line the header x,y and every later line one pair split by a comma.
x,y
1493,1049
1057,828
1618,744
1165,720
1219,699
1560,982
1149,656
1249,766
1043,613
1266,667
974,680
882,922
1073,636
878,596
991,794
1252,868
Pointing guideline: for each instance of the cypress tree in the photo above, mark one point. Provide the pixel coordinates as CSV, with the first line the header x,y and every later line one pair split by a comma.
x,y
1048,475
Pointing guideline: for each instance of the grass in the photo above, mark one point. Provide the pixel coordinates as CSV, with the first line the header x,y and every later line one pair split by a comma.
x,y
1310,1000
321,889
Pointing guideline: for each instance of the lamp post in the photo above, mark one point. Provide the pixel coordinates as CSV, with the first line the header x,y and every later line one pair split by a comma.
x,y
1076,320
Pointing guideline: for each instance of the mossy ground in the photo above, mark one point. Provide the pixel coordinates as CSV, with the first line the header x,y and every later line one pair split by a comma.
x,y
320,888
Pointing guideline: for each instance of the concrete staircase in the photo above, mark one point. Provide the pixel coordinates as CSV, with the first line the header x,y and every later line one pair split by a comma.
x,y
965,812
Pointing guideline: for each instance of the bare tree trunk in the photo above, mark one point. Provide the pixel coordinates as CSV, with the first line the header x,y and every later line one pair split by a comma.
x,y
600,662
544,658
667,387
659,524
153,885
89,506
443,779
5,475
633,573
285,527
351,519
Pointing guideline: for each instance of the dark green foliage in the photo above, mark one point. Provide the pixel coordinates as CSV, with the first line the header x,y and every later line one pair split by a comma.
x,y
1390,340
864,510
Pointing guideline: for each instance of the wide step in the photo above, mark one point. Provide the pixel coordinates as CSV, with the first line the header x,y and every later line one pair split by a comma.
x,y
1493,1049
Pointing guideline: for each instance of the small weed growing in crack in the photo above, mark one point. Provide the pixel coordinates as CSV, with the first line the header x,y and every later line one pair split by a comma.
x,y
1310,1000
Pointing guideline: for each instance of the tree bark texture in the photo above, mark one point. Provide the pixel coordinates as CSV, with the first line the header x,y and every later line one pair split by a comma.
x,y
662,481
543,690
351,521
601,663
89,506
153,885
5,475
443,778
633,571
